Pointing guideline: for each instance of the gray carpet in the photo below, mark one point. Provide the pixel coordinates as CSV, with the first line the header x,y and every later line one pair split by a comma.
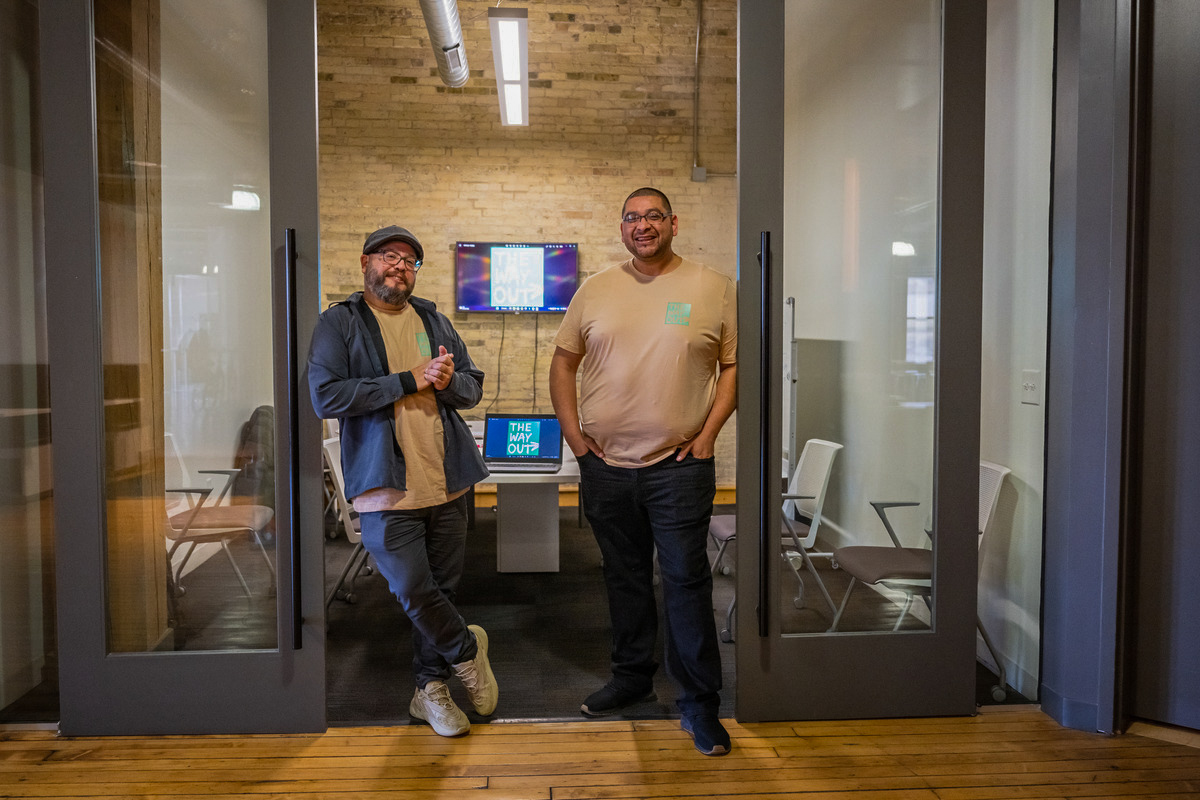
x,y
549,636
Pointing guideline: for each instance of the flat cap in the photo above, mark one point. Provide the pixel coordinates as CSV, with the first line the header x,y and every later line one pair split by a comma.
x,y
393,233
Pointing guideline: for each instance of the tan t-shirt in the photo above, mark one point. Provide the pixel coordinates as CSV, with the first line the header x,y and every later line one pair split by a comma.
x,y
418,424
650,349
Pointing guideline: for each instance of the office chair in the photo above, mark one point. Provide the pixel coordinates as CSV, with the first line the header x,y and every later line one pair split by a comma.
x,y
800,520
331,448
198,517
910,569
331,428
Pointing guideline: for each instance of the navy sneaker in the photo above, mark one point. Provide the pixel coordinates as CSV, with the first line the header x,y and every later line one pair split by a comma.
x,y
708,733
611,699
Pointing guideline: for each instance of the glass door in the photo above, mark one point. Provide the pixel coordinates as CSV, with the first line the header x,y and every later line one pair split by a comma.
x,y
860,237
181,232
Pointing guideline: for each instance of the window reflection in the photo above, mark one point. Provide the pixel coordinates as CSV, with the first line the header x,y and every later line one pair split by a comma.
x,y
918,339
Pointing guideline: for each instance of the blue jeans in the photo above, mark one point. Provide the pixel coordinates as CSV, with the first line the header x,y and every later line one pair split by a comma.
x,y
632,512
421,553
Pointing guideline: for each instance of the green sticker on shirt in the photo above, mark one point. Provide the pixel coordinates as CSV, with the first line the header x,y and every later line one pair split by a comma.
x,y
679,314
423,344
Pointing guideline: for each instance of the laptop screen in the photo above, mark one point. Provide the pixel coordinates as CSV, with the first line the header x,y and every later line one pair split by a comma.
x,y
522,438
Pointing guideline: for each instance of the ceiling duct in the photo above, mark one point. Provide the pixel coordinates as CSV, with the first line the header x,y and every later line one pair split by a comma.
x,y
445,35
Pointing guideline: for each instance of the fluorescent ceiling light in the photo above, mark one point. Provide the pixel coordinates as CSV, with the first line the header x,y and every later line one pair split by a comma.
x,y
510,52
510,49
903,249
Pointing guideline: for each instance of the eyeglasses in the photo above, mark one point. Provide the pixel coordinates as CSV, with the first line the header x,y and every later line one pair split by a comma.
x,y
393,259
653,217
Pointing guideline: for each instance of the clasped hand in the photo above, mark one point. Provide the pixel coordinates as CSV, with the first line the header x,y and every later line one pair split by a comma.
x,y
440,370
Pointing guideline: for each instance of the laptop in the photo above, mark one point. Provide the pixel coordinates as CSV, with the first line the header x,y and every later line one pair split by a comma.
x,y
522,443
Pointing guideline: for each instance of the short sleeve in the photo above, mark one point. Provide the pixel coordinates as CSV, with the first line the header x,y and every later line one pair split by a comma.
x,y
729,324
570,332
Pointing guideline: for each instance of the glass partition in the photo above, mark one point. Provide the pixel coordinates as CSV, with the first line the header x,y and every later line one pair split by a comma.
x,y
28,629
861,153
187,337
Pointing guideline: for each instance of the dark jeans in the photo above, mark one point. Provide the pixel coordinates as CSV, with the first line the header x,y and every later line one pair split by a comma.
x,y
632,512
421,553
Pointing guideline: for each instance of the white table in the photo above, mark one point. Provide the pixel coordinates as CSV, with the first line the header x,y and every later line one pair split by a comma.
x,y
527,514
527,517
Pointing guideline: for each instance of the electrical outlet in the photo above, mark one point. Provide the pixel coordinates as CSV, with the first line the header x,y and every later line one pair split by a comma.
x,y
1031,387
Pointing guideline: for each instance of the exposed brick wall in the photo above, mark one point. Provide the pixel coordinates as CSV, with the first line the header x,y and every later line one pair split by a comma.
x,y
611,106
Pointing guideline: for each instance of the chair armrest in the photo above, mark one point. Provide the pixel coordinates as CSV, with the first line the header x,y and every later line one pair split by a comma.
x,y
204,492
229,474
788,523
881,507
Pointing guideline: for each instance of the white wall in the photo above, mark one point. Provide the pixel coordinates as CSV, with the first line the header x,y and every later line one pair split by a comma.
x,y
1016,265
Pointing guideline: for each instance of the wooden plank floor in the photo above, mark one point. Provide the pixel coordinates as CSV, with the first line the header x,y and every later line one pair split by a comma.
x,y
1009,752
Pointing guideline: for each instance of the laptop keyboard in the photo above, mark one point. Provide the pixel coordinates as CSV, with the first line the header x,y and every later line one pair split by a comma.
x,y
547,468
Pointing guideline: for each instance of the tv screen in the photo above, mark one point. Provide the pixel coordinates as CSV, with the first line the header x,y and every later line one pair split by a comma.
x,y
515,276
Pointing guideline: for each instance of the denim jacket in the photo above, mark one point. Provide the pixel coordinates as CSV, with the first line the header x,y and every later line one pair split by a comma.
x,y
348,379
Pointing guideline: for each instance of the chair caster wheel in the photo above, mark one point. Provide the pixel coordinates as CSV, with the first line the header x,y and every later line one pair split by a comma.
x,y
998,694
726,636
798,602
727,570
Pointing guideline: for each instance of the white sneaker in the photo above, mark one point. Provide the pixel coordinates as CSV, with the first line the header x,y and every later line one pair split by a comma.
x,y
477,676
433,704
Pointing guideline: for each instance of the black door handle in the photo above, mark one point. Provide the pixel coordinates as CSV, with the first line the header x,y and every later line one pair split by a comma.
x,y
765,470
289,279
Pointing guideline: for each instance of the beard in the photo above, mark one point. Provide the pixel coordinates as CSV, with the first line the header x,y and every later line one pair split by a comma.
x,y
392,295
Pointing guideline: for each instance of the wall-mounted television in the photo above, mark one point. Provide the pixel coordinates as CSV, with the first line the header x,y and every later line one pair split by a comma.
x,y
515,277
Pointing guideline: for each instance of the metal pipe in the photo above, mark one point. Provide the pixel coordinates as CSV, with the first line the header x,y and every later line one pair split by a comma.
x,y
445,36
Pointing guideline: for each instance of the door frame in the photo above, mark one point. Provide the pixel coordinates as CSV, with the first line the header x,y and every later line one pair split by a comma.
x,y
280,690
860,675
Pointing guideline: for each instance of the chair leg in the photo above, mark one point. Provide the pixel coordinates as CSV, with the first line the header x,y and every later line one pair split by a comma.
x,y
1000,690
812,569
182,564
716,567
908,601
837,618
172,590
262,549
798,600
232,563
337,587
727,632
363,566
820,583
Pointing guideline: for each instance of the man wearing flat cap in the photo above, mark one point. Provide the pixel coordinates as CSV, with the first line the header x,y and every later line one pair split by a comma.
x,y
395,373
